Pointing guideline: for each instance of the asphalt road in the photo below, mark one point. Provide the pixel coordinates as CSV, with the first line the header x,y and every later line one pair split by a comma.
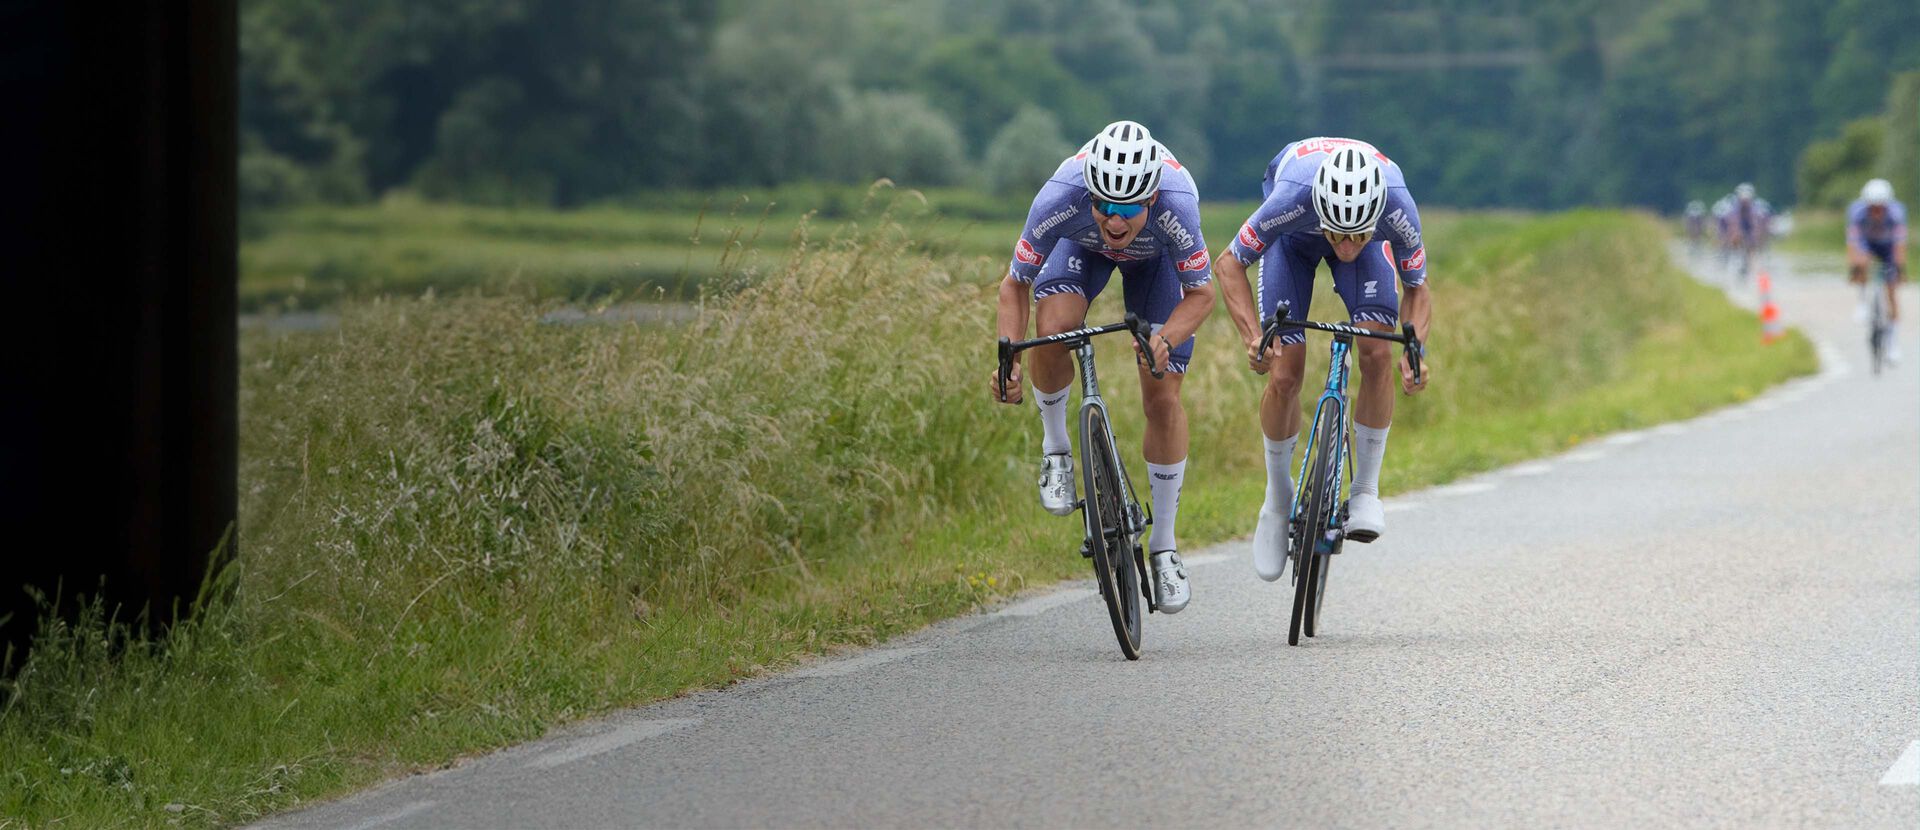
x,y
1710,623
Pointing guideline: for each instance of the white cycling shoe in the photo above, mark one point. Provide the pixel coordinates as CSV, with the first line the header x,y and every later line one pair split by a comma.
x,y
1270,544
1170,587
1366,517
1056,484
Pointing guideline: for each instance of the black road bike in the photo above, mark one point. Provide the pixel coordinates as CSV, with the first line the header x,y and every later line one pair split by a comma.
x,y
1317,524
1115,519
1879,327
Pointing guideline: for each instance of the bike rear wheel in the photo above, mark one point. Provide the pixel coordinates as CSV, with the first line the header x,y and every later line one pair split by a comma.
x,y
1877,331
1112,544
1321,487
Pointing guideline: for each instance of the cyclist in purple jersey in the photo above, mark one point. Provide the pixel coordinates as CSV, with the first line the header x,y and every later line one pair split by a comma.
x,y
1122,203
1877,229
1343,202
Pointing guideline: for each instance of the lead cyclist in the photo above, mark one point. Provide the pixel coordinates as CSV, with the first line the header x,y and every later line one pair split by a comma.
x,y
1123,202
1326,200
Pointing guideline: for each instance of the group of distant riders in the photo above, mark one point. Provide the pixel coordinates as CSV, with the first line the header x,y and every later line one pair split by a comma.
x,y
1876,233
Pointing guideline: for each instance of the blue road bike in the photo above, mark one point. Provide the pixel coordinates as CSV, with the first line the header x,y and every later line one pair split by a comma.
x,y
1317,523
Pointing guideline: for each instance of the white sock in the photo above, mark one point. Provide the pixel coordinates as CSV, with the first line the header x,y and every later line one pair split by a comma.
x,y
1369,449
1279,473
1165,481
1053,419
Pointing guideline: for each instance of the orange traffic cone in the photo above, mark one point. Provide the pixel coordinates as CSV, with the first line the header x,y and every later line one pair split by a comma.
x,y
1770,328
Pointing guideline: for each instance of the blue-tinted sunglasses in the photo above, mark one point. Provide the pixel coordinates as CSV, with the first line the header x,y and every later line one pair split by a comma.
x,y
1120,210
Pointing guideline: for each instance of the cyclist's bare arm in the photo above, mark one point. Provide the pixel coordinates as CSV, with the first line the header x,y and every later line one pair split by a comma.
x,y
1416,307
1231,276
1011,323
1196,303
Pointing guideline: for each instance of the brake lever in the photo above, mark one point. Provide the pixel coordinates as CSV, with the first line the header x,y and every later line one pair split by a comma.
x,y
1141,332
1414,351
1006,366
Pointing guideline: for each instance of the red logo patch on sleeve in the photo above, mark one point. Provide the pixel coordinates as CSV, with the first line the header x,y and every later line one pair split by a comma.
x,y
1025,253
1251,240
1197,262
1415,262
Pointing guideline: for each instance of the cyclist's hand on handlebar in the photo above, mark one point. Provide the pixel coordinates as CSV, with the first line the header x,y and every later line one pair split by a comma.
x,y
1258,362
1406,375
1162,351
1015,386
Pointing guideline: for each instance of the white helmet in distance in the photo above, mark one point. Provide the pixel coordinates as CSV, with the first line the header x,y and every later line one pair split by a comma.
x,y
1877,192
1744,191
1123,163
1350,190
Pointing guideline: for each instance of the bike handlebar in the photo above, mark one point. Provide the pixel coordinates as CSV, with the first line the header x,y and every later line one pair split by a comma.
x,y
1405,338
1132,325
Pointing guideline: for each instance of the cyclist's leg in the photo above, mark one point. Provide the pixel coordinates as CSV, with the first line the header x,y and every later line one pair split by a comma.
x,y
1286,273
1066,284
1370,287
1884,253
1152,291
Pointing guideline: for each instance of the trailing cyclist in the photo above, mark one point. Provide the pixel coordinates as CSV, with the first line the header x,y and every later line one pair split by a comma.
x,y
1122,202
1749,225
1696,220
1877,230
1326,199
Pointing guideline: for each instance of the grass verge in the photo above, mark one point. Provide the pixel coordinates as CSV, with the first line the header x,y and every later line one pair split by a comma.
x,y
461,527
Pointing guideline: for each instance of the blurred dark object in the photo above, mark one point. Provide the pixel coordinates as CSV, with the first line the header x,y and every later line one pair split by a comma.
x,y
117,248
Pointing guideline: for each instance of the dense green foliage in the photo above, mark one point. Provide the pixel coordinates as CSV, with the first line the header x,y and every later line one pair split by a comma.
x,y
465,525
1485,103
1886,145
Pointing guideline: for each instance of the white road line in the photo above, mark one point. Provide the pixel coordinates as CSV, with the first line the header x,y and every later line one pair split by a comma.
x,y
1625,438
1044,603
842,668
1399,506
1531,468
1764,405
1669,429
1207,559
1588,454
1465,488
610,740
1906,771
390,815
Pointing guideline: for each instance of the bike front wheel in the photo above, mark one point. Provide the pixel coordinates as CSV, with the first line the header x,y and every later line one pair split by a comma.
x,y
1110,529
1322,490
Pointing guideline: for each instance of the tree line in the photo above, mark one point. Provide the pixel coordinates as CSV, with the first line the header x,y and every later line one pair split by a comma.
x,y
1492,103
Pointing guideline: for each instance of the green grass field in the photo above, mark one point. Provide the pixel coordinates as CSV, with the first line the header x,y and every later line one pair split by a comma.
x,y
462,526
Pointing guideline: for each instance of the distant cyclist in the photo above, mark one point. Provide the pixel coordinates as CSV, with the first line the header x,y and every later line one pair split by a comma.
x,y
1749,225
1122,202
1723,228
1877,230
1696,220
1326,201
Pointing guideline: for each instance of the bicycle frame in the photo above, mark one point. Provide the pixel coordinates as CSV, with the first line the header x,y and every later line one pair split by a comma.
x,y
1090,399
1335,395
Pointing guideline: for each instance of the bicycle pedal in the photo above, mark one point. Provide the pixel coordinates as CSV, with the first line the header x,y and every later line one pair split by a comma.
x,y
1361,536
1086,550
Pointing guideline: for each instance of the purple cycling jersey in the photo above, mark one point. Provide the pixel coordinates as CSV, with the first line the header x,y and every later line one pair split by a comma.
x,y
1064,210
1289,207
1889,230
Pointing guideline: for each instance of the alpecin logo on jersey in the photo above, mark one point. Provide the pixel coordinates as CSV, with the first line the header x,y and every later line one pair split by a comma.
x,y
1170,225
1251,240
1197,262
1025,253
1415,262
1404,227
1328,145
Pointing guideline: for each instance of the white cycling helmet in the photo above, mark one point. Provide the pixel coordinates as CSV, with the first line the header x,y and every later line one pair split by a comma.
x,y
1877,192
1122,164
1696,208
1350,190
1744,191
